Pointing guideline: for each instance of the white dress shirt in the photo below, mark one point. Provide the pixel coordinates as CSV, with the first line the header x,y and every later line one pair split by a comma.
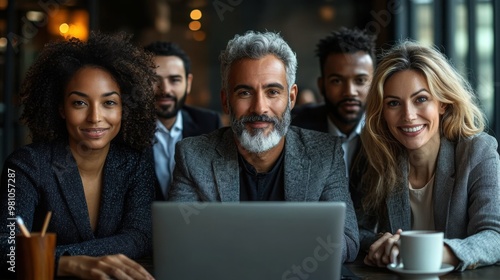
x,y
164,150
349,144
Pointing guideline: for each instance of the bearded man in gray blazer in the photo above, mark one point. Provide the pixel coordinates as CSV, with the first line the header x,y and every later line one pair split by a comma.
x,y
261,157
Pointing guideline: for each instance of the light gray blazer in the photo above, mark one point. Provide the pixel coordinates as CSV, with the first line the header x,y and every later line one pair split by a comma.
x,y
466,200
207,169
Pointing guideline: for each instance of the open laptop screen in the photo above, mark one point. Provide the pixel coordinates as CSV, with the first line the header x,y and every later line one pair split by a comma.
x,y
248,240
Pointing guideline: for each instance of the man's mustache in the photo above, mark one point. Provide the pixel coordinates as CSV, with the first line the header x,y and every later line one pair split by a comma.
x,y
165,95
351,101
259,118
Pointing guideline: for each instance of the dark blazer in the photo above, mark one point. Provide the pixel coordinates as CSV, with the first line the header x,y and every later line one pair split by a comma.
x,y
195,121
314,117
466,202
311,116
198,121
46,178
207,169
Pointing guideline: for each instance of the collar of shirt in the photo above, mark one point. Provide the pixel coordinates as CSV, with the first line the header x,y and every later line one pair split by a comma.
x,y
334,130
176,128
164,150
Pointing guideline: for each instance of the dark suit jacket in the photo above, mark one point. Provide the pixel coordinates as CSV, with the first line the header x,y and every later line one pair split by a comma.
x,y
311,116
195,121
198,121
314,117
207,169
46,178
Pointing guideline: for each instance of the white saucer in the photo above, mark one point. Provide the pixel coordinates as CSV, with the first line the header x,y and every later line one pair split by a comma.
x,y
445,268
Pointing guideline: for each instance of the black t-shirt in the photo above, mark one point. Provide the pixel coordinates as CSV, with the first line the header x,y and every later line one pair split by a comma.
x,y
262,186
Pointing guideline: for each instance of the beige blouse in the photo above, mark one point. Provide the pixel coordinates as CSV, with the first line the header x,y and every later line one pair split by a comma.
x,y
421,202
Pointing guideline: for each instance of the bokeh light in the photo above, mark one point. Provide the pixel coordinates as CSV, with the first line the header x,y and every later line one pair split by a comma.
x,y
195,14
194,25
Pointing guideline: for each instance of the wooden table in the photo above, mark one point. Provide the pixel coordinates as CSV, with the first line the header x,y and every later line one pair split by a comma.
x,y
367,273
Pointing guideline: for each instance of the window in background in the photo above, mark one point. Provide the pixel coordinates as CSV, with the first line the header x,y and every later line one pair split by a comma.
x,y
484,46
423,26
465,31
460,38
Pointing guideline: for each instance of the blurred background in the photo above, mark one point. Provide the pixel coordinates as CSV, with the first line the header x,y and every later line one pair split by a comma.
x,y
467,31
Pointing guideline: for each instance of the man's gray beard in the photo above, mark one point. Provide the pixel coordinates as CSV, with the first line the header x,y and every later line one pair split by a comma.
x,y
259,142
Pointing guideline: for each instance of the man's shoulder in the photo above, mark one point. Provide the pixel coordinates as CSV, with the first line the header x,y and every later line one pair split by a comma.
x,y
205,140
314,139
309,110
199,112
197,121
311,117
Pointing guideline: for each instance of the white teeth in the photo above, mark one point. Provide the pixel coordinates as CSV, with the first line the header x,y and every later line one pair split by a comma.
x,y
412,129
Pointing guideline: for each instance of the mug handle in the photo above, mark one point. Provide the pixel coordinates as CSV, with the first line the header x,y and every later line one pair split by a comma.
x,y
395,258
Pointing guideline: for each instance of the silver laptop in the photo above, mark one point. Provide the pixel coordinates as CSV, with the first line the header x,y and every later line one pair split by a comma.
x,y
248,240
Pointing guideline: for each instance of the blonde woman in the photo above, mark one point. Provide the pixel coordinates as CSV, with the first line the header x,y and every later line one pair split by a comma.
x,y
430,165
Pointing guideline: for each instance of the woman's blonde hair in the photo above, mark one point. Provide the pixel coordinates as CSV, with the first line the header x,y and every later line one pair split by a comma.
x,y
462,118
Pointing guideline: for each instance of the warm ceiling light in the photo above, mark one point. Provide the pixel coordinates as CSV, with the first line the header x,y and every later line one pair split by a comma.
x,y
194,25
199,36
195,14
64,28
3,42
35,16
327,13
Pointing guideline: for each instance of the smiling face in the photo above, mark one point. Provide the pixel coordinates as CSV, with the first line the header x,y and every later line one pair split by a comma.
x,y
258,102
92,108
411,111
344,85
174,86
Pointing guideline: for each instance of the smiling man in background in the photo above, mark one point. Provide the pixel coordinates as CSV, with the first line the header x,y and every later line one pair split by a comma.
x,y
346,59
175,120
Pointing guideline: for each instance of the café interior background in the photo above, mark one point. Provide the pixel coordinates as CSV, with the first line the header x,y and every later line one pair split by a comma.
x,y
467,31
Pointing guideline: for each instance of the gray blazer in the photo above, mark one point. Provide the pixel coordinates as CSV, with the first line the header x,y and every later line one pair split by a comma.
x,y
466,200
207,169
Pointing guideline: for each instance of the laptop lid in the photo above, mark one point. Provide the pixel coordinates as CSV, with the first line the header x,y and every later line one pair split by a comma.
x,y
248,240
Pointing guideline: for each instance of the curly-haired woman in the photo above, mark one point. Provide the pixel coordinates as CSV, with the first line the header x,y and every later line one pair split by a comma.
x,y
431,165
90,110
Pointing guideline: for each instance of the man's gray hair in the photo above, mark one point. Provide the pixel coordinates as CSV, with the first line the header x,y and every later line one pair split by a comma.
x,y
256,45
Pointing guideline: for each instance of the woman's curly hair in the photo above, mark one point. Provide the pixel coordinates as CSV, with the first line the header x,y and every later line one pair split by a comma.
x,y
42,91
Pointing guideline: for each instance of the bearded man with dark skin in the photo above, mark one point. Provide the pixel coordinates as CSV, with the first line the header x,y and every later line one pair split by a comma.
x,y
347,61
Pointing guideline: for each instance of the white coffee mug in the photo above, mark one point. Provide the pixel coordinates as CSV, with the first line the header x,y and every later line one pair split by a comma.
x,y
421,250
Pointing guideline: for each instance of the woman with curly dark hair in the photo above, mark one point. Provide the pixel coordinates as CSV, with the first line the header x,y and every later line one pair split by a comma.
x,y
90,110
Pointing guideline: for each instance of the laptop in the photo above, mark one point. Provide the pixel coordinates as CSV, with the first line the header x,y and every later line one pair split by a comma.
x,y
248,240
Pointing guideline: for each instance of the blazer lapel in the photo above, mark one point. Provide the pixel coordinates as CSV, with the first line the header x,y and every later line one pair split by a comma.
x,y
109,192
70,184
443,184
226,169
398,205
189,127
297,169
